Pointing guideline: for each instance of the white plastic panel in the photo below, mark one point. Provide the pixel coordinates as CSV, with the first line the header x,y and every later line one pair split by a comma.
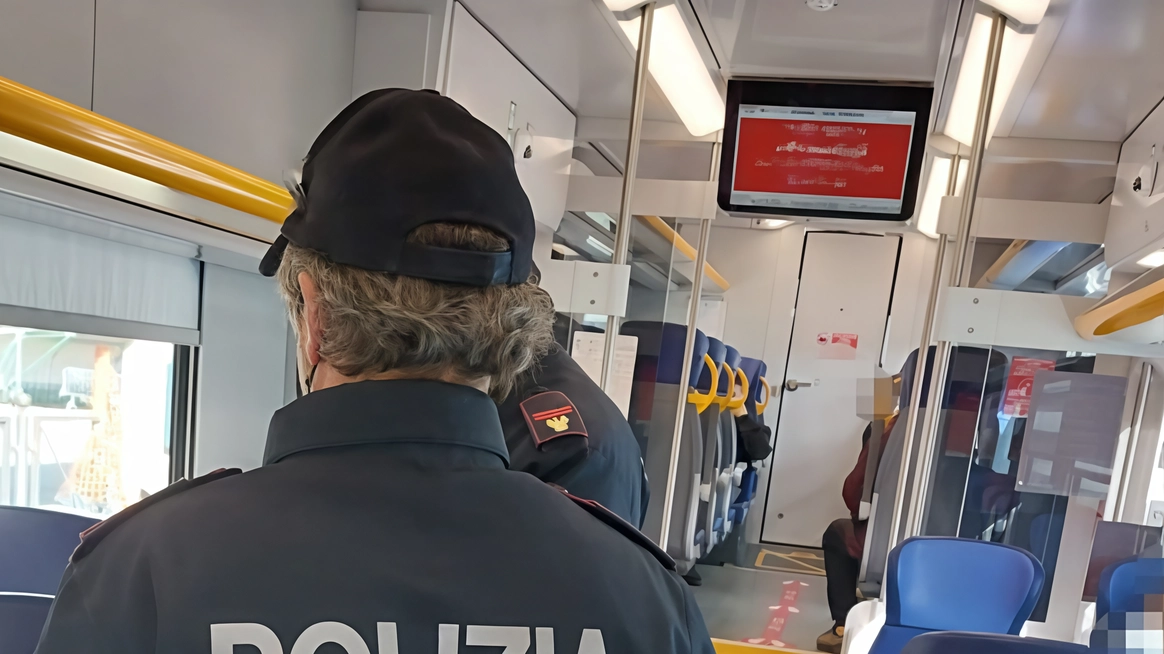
x,y
1135,226
247,83
487,80
55,260
48,45
391,51
243,368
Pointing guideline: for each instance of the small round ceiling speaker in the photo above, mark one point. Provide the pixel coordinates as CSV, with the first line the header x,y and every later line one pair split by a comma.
x,y
820,5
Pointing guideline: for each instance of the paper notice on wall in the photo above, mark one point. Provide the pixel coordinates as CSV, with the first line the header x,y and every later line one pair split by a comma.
x,y
588,350
837,345
1019,385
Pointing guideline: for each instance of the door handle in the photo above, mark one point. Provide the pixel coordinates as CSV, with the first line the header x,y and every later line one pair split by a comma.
x,y
793,384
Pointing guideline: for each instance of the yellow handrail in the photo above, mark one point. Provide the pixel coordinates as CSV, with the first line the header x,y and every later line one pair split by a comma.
x,y
40,118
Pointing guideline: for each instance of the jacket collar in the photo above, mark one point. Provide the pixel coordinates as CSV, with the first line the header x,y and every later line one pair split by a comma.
x,y
389,411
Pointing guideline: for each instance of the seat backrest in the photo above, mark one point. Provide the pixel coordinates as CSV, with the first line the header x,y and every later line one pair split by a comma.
x,y
660,351
945,584
35,546
960,642
1123,585
22,618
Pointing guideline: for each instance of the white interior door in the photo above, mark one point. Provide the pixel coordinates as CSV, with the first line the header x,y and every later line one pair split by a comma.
x,y
846,281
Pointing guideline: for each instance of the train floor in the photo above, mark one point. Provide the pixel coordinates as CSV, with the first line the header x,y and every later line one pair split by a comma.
x,y
778,601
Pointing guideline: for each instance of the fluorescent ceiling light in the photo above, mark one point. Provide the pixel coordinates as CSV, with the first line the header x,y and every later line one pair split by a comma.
x,y
678,68
1029,12
771,223
602,218
967,90
931,205
622,5
1154,260
600,246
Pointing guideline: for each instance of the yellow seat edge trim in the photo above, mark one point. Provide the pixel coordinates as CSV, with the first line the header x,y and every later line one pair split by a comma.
x,y
704,400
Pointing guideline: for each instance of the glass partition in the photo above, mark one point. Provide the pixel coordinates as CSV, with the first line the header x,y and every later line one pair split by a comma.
x,y
992,436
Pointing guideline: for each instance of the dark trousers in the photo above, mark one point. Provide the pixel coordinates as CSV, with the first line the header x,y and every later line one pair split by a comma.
x,y
841,569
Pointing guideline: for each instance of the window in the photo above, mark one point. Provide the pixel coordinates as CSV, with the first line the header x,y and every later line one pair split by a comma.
x,y
85,421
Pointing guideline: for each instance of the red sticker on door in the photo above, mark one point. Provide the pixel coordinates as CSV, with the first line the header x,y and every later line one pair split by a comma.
x,y
837,345
1020,384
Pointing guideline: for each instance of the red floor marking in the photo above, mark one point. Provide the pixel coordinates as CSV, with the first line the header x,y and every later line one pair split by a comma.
x,y
780,615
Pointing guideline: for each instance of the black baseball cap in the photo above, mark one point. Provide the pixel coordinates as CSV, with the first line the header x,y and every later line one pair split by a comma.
x,y
397,159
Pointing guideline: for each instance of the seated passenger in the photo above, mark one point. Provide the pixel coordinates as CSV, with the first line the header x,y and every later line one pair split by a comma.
x,y
844,543
564,429
384,518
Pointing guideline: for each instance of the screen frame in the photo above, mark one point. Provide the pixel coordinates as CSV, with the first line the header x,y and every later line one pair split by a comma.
x,y
827,95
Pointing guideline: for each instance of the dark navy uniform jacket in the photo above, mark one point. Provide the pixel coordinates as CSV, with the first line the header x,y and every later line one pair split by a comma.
x,y
384,520
603,462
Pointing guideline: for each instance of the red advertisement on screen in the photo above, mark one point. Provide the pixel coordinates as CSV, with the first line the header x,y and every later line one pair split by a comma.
x,y
821,157
1020,385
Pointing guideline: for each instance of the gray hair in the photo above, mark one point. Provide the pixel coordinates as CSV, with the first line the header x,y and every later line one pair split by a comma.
x,y
376,322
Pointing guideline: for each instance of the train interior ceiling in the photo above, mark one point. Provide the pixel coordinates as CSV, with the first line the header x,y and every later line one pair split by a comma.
x,y
139,345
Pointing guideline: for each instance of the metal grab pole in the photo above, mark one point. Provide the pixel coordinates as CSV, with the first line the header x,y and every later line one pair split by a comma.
x,y
929,435
688,356
622,230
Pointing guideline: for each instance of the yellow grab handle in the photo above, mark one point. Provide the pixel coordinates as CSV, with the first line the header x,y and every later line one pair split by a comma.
x,y
760,406
704,400
725,401
735,404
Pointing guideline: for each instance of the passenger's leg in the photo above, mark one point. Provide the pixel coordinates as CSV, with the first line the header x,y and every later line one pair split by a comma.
x,y
841,571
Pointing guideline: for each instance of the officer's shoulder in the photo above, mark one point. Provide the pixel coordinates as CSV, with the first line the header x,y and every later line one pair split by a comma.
x,y
623,527
93,536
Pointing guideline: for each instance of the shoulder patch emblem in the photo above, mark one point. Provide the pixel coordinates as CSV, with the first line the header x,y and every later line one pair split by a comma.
x,y
550,415
622,526
93,536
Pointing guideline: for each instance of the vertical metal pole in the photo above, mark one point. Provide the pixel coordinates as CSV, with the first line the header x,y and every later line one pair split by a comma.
x,y
622,230
1133,443
928,438
688,359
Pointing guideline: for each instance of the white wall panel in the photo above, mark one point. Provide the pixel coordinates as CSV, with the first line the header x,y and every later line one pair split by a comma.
x,y
248,83
485,78
242,376
48,45
391,51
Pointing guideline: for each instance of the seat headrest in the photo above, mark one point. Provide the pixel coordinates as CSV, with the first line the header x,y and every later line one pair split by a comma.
x,y
733,357
661,347
718,352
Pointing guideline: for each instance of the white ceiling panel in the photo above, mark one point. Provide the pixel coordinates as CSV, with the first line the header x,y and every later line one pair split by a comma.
x,y
1102,76
884,40
570,46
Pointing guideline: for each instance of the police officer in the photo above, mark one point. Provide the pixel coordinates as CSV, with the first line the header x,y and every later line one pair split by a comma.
x,y
564,429
384,519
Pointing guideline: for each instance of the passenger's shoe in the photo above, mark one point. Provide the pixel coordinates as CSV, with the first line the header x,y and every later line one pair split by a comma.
x,y
830,641
692,578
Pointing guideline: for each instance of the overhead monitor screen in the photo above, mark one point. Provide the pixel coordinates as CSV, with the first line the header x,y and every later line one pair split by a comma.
x,y
856,157
805,158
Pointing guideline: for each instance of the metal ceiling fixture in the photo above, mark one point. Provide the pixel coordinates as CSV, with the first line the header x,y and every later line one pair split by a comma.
x,y
820,5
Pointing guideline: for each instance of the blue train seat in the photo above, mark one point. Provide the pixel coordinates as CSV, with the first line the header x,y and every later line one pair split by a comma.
x,y
711,486
962,642
1123,585
22,618
658,389
956,584
36,547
